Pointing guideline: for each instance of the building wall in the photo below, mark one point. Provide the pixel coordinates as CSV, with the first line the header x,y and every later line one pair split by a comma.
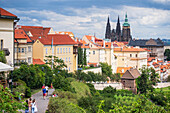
x,y
131,59
7,35
64,52
94,55
38,52
25,56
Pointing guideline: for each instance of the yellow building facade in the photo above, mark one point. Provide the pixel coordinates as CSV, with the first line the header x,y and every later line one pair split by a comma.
x,y
63,47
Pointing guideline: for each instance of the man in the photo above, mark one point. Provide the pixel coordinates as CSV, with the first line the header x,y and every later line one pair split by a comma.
x,y
44,93
46,87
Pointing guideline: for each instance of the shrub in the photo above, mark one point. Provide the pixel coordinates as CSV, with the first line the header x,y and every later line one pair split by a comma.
x,y
27,92
109,90
91,87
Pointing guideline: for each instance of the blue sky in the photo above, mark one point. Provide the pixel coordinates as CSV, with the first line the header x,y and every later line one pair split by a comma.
x,y
148,18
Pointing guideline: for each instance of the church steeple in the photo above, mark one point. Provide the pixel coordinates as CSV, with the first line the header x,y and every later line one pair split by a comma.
x,y
118,29
108,29
126,21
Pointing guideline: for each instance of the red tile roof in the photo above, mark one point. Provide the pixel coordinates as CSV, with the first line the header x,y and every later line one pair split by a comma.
x,y
95,64
58,39
20,34
37,31
38,61
122,70
150,59
4,12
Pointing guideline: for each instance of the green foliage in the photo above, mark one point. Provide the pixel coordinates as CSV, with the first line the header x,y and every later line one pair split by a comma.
x,y
92,89
115,77
8,103
167,53
106,69
32,75
80,88
80,57
109,89
27,92
62,83
147,79
2,56
58,64
84,58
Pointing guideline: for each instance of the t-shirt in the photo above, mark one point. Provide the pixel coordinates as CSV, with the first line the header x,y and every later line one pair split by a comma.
x,y
33,105
46,87
44,90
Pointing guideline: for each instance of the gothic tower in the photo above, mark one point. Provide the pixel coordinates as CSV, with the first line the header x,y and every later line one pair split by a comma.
x,y
118,30
126,36
108,30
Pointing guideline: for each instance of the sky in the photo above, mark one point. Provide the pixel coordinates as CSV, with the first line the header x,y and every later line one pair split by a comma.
x,y
147,18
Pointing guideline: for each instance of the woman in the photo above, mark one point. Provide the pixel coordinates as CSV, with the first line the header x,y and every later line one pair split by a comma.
x,y
26,107
29,104
33,106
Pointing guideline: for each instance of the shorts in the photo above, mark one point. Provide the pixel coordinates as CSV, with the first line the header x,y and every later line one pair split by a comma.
x,y
44,94
47,91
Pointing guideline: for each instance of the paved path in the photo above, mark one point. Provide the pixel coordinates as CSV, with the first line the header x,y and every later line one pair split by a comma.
x,y
41,103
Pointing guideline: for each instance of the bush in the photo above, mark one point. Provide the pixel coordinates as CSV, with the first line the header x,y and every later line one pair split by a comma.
x,y
109,90
91,87
27,92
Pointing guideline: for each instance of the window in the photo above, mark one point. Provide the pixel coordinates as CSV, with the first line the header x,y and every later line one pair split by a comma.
x,y
89,52
15,50
106,45
60,50
136,55
66,50
69,59
52,50
130,55
2,44
63,50
93,52
123,59
19,50
25,50
69,50
69,68
66,59
22,50
46,51
29,48
29,60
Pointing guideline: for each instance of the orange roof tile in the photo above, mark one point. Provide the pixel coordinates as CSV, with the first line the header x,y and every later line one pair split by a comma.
x,y
122,69
84,44
38,61
95,64
20,34
4,12
148,64
150,59
37,31
58,39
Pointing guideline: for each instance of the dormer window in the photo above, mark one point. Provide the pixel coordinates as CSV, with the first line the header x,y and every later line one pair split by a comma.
x,y
106,45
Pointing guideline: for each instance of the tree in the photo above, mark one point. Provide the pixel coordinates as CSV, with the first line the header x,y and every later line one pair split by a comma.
x,y
84,58
167,53
147,79
8,104
80,56
106,69
58,64
2,56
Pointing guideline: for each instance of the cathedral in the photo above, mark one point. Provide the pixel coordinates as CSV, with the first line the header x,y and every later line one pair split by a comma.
x,y
118,34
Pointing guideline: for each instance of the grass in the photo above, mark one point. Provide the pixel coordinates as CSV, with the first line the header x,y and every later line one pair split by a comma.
x,y
80,88
34,91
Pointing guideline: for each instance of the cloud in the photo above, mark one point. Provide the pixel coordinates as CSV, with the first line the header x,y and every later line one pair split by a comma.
x,y
145,22
162,1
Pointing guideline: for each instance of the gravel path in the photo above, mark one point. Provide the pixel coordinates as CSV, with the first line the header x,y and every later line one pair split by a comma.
x,y
41,103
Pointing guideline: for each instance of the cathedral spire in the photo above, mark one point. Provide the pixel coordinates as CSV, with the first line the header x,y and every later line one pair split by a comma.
x,y
108,29
126,21
118,30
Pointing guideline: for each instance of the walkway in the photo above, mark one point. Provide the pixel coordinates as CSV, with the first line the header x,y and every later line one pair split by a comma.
x,y
41,103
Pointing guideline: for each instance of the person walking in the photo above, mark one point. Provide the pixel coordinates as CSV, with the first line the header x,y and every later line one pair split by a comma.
x,y
46,87
44,93
29,104
33,107
26,107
